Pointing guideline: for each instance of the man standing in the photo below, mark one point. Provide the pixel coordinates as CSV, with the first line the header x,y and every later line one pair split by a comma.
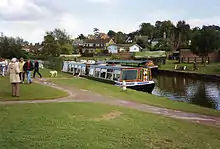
x,y
36,69
28,67
21,67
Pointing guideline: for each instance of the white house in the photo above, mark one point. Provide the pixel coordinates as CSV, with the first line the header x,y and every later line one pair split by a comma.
x,y
135,48
112,49
115,48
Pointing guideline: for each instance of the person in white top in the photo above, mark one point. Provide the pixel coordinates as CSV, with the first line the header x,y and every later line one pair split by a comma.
x,y
124,85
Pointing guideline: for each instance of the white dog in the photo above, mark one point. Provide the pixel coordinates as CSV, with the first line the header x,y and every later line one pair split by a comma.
x,y
53,73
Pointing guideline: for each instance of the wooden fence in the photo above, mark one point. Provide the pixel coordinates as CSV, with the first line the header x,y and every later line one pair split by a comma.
x,y
193,59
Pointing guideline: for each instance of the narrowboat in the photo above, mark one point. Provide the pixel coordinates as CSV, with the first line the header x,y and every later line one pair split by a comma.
x,y
137,78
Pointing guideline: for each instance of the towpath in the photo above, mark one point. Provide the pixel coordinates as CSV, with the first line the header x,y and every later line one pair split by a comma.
x,y
85,96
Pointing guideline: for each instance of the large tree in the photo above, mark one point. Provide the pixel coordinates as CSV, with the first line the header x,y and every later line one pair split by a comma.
x,y
120,38
11,47
205,41
51,46
57,42
147,29
111,34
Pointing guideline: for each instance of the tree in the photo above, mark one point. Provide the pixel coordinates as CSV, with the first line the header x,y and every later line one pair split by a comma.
x,y
51,46
163,27
57,42
111,33
11,47
81,37
96,32
120,38
147,29
181,35
67,49
141,43
163,45
205,41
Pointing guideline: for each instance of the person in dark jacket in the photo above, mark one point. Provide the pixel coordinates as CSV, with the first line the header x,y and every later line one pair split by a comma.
x,y
28,67
36,69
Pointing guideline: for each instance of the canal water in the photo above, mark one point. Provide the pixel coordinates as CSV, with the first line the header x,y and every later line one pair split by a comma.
x,y
194,90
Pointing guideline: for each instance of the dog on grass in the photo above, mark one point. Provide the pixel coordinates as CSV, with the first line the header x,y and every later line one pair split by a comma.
x,y
53,74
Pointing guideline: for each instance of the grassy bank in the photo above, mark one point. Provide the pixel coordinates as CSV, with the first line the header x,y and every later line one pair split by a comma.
x,y
213,68
96,126
28,92
132,95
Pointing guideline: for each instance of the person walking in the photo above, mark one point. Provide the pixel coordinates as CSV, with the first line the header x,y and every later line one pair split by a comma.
x,y
13,72
36,69
28,67
2,61
21,67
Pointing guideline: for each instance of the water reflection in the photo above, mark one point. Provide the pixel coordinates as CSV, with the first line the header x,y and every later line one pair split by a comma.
x,y
188,89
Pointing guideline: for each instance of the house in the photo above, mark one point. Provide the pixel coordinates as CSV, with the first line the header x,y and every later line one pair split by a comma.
x,y
26,49
113,48
129,40
135,48
91,45
132,48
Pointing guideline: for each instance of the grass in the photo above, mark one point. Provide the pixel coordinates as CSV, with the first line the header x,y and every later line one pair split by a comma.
x,y
29,92
132,95
46,74
213,68
96,126
151,54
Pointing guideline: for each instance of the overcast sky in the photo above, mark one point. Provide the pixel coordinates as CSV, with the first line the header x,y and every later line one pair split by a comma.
x,y
30,19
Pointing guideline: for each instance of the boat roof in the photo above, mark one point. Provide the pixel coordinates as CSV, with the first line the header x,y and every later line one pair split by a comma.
x,y
111,67
128,61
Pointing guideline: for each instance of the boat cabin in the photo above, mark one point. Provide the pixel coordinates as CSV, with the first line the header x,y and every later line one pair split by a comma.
x,y
114,73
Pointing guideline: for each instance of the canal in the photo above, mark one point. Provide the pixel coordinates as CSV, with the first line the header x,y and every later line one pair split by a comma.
x,y
194,90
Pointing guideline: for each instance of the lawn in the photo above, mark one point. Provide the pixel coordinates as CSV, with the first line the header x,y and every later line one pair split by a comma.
x,y
29,92
46,74
97,126
132,95
212,68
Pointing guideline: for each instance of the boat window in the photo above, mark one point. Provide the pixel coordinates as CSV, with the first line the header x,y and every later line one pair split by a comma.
x,y
141,74
129,74
116,75
109,74
103,73
97,74
91,72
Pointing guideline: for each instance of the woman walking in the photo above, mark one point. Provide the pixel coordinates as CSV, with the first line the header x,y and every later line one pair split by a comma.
x,y
21,67
14,71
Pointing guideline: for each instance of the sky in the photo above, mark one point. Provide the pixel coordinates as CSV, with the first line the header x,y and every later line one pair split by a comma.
x,y
30,19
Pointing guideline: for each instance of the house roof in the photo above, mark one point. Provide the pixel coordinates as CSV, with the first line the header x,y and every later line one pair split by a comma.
x,y
128,45
97,41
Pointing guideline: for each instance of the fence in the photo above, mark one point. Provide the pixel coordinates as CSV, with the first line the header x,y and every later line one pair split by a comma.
x,y
193,59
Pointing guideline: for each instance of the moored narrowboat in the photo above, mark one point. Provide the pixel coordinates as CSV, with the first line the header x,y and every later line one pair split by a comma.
x,y
137,78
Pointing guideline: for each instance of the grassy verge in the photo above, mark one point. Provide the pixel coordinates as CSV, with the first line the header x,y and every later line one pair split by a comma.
x,y
29,92
132,95
46,74
213,68
96,126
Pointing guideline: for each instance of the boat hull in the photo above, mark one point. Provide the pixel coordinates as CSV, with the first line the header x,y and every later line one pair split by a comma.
x,y
144,88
